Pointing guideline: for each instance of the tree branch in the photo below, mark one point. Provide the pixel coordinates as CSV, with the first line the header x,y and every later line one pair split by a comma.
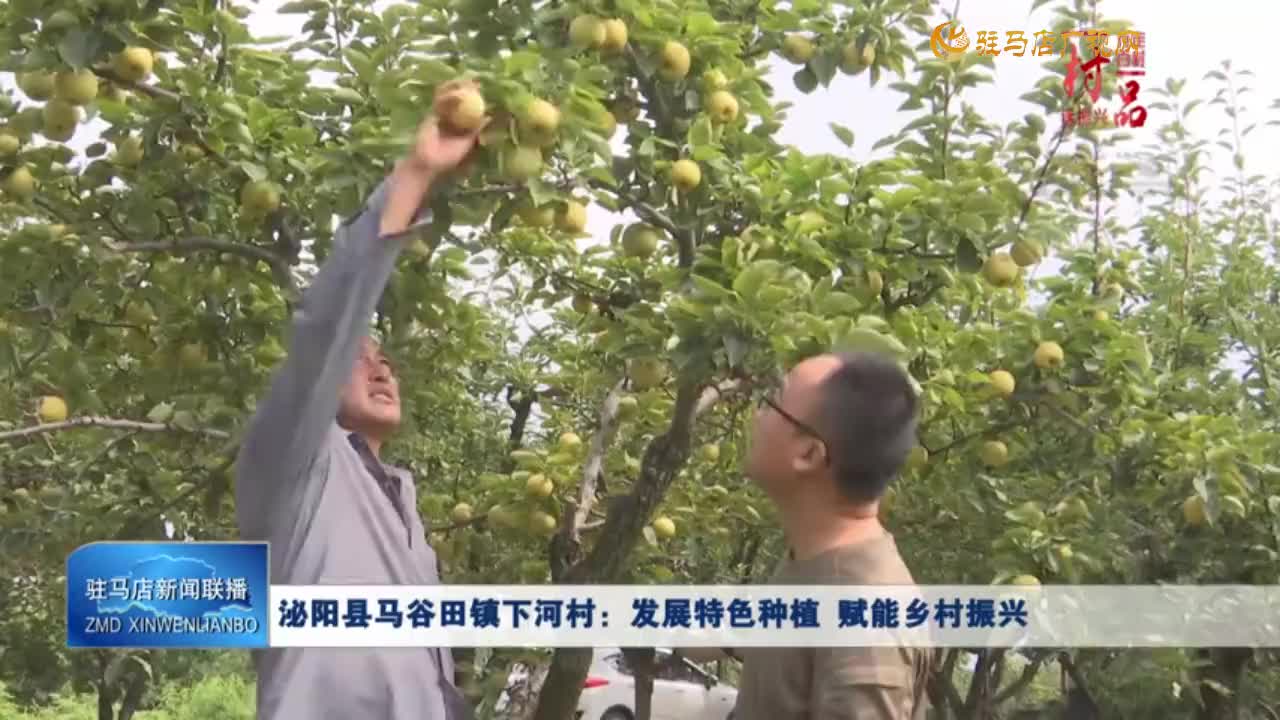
x,y
593,468
522,406
106,450
1048,160
917,299
966,438
49,208
661,113
228,453
1071,419
279,268
488,189
980,686
914,253
662,459
712,395
106,422
943,683
150,91
647,212
1017,686
476,520
1069,665
158,93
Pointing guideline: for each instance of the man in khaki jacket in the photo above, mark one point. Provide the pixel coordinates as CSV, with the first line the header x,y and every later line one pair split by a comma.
x,y
825,445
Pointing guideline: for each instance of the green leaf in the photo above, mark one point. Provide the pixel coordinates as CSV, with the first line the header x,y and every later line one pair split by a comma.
x,y
81,48
967,258
806,82
843,133
705,153
502,217
453,255
711,287
701,133
233,110
241,133
254,171
348,96
700,24
877,323
161,413
1028,513
823,66
736,348
838,304
886,141
650,536
902,197
971,222
184,420
540,193
751,279
522,61
861,339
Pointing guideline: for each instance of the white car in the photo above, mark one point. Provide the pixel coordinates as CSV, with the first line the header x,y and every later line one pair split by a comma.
x,y
681,690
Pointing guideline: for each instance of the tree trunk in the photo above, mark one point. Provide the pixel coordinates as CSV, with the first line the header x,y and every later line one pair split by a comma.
x,y
522,405
642,669
106,693
106,703
982,688
1079,702
558,699
132,696
608,559
522,696
1220,682
943,695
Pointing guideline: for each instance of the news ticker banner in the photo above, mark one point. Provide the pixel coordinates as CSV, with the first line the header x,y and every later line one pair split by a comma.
x,y
217,595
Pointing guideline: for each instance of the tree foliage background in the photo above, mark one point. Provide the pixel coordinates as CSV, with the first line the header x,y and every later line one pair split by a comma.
x,y
140,285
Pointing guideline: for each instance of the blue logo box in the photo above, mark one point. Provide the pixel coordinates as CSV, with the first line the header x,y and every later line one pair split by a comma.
x,y
168,595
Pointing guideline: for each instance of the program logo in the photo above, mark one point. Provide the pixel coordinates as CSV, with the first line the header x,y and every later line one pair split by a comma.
x,y
955,42
168,595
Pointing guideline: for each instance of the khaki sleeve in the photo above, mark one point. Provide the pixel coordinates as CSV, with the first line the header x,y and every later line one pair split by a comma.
x,y
705,654
863,684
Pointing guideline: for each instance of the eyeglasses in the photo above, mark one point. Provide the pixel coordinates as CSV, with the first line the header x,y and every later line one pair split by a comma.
x,y
772,388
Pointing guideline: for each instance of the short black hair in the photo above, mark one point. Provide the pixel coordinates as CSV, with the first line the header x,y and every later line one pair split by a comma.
x,y
867,413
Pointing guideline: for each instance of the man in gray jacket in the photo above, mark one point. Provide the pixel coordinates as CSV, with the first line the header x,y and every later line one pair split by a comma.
x,y
309,480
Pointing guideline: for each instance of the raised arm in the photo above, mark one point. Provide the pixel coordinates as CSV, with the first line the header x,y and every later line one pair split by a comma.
x,y
291,422
292,419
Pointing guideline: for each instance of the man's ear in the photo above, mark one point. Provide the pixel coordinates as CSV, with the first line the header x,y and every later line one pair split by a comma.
x,y
810,458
